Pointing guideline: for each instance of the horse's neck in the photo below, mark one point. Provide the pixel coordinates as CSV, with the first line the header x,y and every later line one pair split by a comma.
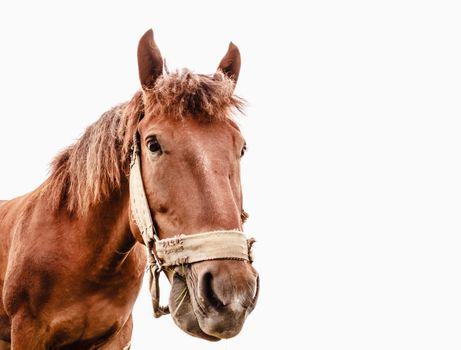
x,y
106,229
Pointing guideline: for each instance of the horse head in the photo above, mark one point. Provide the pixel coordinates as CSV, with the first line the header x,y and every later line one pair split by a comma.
x,y
189,149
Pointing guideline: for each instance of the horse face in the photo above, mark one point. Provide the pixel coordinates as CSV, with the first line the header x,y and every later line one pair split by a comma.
x,y
191,174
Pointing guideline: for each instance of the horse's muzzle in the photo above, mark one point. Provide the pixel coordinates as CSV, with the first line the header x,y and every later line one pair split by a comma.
x,y
212,299
225,294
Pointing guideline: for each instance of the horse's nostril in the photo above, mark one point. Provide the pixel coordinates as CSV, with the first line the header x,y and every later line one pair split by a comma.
x,y
208,294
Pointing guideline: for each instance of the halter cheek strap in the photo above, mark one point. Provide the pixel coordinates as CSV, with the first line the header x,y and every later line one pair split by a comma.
x,y
141,215
181,249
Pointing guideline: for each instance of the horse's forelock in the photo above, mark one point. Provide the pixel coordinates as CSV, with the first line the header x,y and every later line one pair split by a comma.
x,y
183,93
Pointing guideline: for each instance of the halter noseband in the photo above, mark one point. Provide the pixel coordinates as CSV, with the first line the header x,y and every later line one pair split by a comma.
x,y
181,249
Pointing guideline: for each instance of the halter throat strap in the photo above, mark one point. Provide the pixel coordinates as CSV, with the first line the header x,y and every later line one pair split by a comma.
x,y
181,249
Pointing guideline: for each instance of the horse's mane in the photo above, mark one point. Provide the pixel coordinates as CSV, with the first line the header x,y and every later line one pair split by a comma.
x,y
89,171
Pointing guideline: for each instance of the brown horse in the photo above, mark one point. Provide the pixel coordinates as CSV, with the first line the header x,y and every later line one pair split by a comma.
x,y
72,258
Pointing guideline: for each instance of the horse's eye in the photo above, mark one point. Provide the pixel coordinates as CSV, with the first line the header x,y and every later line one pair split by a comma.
x,y
153,145
244,149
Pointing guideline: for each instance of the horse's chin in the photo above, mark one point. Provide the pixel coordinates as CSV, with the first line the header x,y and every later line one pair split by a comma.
x,y
182,310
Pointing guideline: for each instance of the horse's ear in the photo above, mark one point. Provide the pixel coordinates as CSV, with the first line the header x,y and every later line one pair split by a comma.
x,y
150,62
230,64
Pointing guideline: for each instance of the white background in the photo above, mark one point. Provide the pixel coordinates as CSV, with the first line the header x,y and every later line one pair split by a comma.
x,y
353,173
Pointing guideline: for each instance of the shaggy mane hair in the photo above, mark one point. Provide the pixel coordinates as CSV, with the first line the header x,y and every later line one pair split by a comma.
x,y
89,171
